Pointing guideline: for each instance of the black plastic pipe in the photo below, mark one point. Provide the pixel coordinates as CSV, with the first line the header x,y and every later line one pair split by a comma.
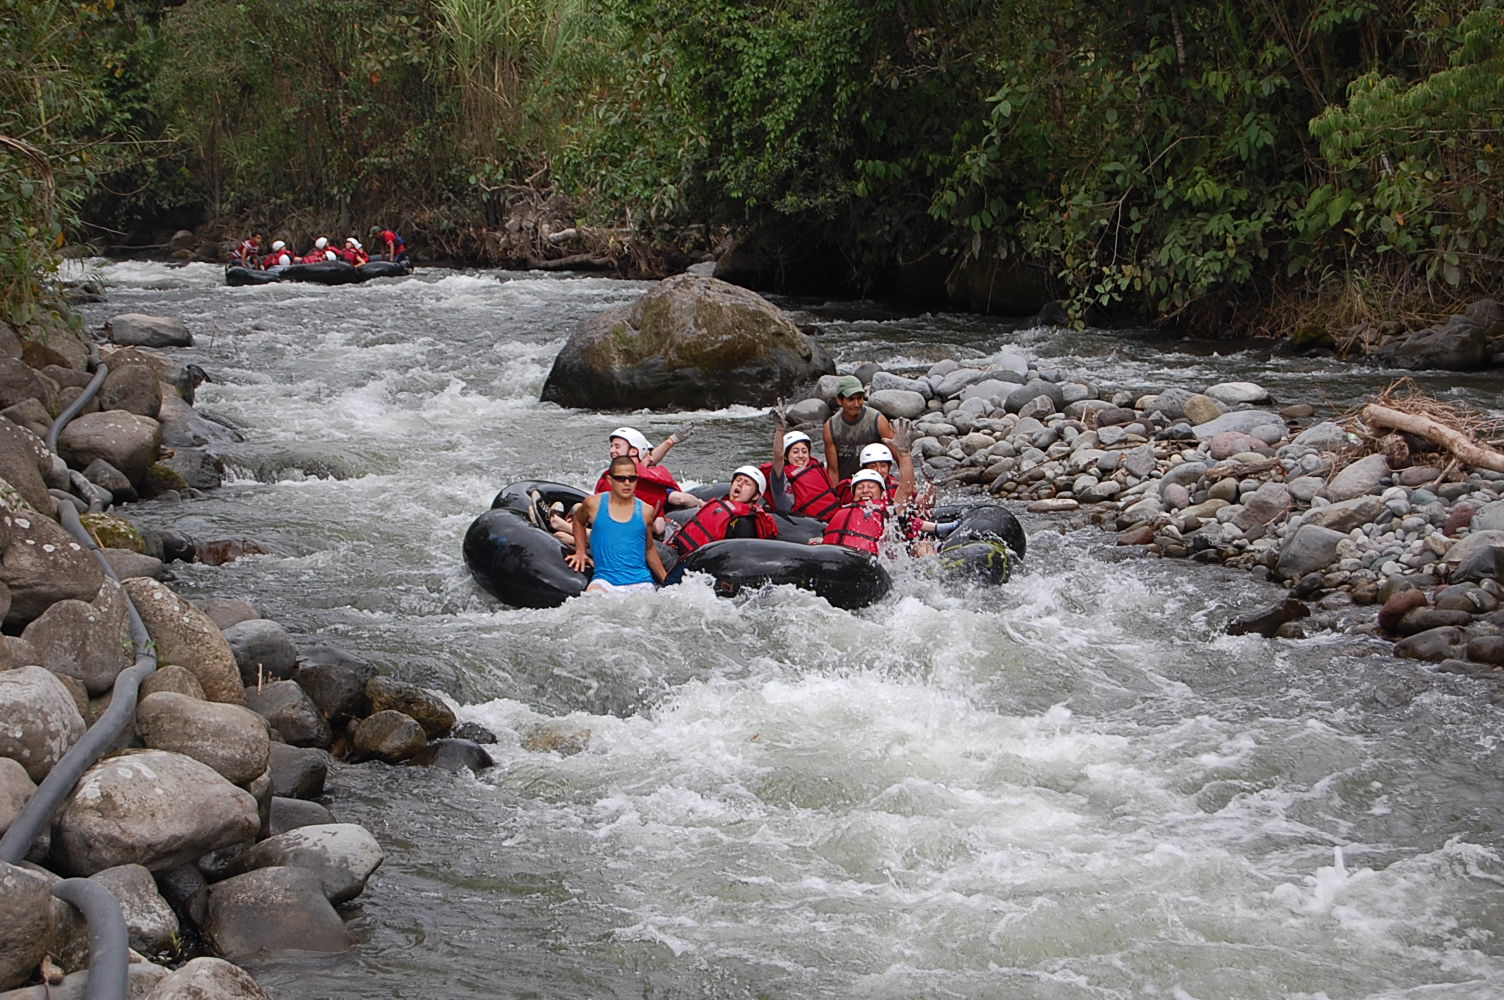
x,y
109,941
73,407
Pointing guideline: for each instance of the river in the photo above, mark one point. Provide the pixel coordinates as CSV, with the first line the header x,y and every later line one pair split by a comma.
x,y
1072,787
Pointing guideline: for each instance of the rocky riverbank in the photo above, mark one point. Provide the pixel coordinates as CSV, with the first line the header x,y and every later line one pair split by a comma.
x,y
237,728
1345,511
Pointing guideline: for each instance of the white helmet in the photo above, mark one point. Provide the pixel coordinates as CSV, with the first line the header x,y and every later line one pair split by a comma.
x,y
868,476
357,243
795,437
284,259
753,473
321,243
278,246
634,438
875,453
330,255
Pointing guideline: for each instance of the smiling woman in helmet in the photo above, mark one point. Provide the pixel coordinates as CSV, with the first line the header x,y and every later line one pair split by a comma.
x,y
798,482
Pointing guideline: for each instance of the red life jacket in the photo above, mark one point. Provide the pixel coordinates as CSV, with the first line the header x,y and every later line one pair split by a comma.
x,y
314,256
270,260
654,485
391,244
813,495
353,256
713,520
858,526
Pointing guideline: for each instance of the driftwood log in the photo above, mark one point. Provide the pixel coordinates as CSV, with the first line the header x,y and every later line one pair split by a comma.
x,y
1458,443
574,262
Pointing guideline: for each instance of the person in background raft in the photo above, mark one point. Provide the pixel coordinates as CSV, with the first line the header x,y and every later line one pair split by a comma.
x,y
732,516
856,425
320,252
353,253
800,484
389,246
619,542
248,254
279,257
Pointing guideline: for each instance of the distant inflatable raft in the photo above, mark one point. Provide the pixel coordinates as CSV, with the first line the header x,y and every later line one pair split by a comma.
x,y
332,272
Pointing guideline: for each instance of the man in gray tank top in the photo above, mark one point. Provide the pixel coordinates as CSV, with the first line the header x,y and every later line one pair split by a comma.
x,y
853,427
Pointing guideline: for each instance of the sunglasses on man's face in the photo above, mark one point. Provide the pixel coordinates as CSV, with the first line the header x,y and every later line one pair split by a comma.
x,y
625,479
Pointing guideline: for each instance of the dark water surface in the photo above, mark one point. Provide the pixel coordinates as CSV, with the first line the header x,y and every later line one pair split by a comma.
x,y
1071,787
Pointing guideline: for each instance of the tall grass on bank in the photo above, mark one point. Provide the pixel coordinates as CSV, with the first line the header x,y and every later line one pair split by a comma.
x,y
510,59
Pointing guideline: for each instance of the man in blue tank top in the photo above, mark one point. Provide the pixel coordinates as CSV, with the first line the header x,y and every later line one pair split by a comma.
x,y
619,542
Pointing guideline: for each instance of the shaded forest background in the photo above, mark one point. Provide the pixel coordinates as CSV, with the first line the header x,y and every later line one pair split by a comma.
x,y
1247,166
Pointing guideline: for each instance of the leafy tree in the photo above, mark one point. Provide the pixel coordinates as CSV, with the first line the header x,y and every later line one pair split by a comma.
x,y
60,134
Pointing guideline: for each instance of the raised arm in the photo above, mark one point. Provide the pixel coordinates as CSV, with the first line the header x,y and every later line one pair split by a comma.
x,y
780,428
900,440
832,460
679,436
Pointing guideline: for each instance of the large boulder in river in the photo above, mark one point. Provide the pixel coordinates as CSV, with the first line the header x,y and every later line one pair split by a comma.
x,y
231,739
128,441
41,564
138,329
273,910
39,720
689,342
133,387
186,636
89,641
152,808
1460,346
24,460
25,913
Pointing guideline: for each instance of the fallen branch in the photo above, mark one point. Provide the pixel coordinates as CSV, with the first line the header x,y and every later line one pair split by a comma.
x,y
574,262
1455,441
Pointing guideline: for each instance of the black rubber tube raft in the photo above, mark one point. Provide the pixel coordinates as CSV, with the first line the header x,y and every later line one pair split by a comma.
x,y
519,564
983,547
330,272
846,578
383,269
523,566
239,277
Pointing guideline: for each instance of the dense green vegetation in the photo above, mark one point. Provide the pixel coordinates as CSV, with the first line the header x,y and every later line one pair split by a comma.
x,y
1256,163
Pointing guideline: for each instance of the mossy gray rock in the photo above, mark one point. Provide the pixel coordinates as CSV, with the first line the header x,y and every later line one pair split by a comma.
x,y
691,341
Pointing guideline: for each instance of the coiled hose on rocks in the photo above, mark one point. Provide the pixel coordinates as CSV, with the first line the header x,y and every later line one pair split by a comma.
x,y
108,936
